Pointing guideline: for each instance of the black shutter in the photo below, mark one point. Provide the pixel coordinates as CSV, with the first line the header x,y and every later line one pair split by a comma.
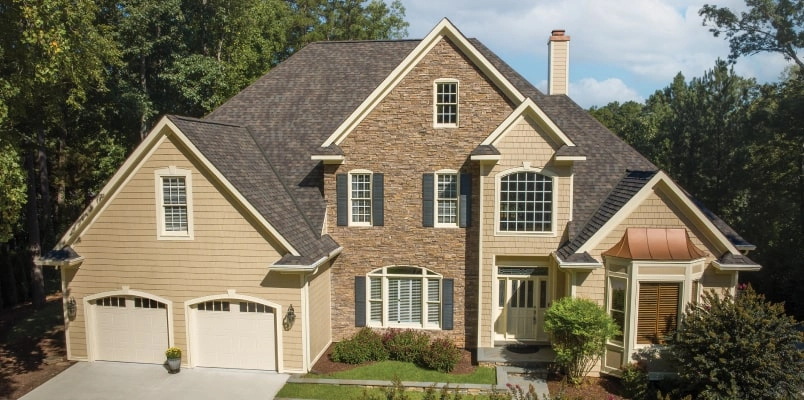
x,y
447,286
360,301
465,201
428,192
377,200
342,198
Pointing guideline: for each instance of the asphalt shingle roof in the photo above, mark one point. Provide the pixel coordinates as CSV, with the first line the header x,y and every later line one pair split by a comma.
x,y
274,126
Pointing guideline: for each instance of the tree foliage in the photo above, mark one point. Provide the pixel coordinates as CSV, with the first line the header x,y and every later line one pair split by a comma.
x,y
82,82
775,26
739,347
579,329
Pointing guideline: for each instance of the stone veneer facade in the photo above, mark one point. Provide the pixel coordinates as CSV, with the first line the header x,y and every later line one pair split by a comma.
x,y
398,139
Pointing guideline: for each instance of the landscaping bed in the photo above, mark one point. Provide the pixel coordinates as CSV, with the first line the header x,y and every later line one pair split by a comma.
x,y
32,348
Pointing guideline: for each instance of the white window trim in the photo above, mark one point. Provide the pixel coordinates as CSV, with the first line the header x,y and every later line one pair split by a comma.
x,y
456,224
553,214
457,103
371,196
173,171
425,275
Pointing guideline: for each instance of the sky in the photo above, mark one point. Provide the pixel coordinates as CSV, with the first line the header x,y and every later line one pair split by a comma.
x,y
620,50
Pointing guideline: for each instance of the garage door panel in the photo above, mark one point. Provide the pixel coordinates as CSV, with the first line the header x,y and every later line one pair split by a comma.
x,y
128,333
235,339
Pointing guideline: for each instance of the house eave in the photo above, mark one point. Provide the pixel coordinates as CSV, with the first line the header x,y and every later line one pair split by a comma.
x,y
736,267
46,262
329,159
486,158
305,267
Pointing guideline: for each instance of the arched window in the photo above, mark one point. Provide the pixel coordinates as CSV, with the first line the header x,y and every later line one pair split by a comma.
x,y
526,202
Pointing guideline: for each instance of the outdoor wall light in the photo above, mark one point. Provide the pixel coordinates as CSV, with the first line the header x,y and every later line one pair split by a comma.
x,y
71,308
289,319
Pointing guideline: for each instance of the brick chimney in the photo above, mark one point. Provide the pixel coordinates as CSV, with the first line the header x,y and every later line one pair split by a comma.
x,y
558,63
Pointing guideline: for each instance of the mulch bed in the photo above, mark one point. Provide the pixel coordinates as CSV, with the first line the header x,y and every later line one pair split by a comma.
x,y
31,359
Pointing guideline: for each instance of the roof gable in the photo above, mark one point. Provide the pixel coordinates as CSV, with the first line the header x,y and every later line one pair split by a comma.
x,y
528,109
444,29
164,129
629,194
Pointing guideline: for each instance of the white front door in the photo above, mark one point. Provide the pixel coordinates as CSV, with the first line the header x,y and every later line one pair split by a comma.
x,y
521,304
234,334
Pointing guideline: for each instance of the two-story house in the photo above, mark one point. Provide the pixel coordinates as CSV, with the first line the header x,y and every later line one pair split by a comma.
x,y
391,184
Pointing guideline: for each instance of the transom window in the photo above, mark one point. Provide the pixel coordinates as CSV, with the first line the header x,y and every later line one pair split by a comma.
x,y
174,203
142,302
360,196
214,305
447,199
526,202
111,301
446,103
251,307
404,296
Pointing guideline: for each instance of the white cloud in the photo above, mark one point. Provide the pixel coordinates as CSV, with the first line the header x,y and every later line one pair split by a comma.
x,y
648,41
589,92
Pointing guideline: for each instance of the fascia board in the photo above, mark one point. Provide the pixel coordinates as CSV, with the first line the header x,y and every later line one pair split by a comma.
x,y
443,29
528,108
661,182
736,267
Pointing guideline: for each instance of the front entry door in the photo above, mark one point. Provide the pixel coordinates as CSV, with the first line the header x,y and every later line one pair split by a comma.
x,y
522,302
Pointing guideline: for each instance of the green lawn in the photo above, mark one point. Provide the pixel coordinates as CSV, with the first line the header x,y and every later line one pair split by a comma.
x,y
386,370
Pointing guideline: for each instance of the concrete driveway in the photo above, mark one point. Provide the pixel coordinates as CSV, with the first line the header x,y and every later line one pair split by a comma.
x,y
111,380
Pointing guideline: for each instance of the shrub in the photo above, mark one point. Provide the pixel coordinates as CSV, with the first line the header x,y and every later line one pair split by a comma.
x,y
579,329
442,355
739,348
407,345
365,345
635,381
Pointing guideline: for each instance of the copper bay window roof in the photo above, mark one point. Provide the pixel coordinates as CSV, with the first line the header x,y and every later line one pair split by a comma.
x,y
666,244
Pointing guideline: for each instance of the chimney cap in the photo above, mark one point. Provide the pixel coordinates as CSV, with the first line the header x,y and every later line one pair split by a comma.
x,y
558,35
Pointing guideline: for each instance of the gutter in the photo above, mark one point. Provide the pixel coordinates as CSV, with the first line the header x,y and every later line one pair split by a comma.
x,y
306,268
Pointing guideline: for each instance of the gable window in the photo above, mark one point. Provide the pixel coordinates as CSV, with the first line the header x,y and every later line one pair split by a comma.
x,y
406,297
359,198
446,103
174,203
526,202
658,311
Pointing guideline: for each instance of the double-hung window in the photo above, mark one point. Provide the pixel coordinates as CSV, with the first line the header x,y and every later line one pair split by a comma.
x,y
446,103
526,202
360,198
173,187
404,296
447,199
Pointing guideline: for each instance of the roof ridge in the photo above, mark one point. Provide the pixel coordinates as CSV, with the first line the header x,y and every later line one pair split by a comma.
x,y
204,121
324,42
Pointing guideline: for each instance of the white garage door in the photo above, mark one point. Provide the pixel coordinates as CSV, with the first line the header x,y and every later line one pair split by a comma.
x,y
133,329
234,334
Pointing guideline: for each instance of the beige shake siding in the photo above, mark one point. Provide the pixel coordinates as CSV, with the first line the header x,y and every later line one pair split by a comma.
x,y
227,253
320,311
526,143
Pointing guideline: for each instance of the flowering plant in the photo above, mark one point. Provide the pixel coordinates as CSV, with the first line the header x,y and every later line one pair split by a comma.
x,y
173,352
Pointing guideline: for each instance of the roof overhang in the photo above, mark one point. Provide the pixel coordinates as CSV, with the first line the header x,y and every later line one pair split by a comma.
x,y
736,267
329,158
289,266
577,262
492,158
66,257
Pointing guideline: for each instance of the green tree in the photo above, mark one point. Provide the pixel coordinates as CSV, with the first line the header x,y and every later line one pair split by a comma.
x,y
579,329
739,347
775,26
